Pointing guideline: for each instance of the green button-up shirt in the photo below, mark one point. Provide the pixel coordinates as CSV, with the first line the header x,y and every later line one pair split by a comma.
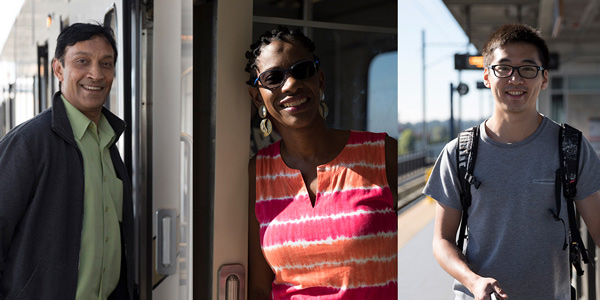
x,y
100,253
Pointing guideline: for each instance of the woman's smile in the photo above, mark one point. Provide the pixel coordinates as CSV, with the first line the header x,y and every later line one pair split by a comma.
x,y
294,104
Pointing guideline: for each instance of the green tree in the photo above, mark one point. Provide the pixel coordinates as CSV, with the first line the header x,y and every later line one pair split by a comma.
x,y
439,134
407,142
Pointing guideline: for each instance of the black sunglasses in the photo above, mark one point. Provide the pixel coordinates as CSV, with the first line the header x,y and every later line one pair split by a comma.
x,y
273,79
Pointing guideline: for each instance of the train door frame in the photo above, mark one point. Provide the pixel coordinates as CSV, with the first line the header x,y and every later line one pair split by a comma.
x,y
137,138
204,44
137,34
156,48
139,43
222,32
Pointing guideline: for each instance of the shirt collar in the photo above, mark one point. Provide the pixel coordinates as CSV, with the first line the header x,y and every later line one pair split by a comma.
x,y
80,123
106,132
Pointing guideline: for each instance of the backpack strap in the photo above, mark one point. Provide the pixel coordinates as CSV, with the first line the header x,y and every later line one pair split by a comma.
x,y
570,148
465,158
569,145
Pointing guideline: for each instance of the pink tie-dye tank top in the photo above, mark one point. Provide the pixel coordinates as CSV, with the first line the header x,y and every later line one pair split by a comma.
x,y
345,247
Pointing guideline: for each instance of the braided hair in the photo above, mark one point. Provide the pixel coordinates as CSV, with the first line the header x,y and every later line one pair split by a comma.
x,y
282,33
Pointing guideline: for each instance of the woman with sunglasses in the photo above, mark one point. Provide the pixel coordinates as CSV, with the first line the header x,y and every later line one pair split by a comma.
x,y
322,218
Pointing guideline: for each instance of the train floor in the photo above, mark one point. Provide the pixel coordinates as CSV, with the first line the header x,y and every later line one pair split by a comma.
x,y
419,275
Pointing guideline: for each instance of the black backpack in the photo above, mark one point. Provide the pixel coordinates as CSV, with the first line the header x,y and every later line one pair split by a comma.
x,y
569,144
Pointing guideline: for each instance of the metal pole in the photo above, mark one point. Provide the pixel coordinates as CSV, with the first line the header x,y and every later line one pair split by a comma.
x,y
451,111
423,86
459,114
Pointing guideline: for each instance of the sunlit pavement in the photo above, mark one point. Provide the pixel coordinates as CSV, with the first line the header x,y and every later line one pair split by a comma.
x,y
419,275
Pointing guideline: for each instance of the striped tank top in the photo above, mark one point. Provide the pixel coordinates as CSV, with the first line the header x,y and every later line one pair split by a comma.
x,y
345,247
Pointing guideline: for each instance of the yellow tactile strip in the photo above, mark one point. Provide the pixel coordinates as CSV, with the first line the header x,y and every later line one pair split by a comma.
x,y
411,221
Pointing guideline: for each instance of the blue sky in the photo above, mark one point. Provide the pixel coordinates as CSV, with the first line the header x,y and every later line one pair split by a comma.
x,y
443,38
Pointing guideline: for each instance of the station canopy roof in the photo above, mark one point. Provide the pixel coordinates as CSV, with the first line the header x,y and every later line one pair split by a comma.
x,y
570,27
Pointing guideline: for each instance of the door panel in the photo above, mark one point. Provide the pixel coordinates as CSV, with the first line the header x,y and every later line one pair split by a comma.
x,y
166,153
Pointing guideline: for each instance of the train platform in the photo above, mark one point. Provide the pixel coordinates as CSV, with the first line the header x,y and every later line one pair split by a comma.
x,y
419,275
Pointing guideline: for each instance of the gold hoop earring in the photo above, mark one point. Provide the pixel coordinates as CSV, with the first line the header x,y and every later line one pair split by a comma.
x,y
323,109
265,125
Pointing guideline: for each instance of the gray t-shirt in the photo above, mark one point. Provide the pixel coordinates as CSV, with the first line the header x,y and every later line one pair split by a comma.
x,y
513,236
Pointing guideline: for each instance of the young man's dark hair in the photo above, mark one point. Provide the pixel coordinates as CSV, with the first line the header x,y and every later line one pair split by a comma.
x,y
515,33
82,32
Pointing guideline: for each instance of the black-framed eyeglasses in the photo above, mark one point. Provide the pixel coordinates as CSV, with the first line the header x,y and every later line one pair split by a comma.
x,y
504,71
275,78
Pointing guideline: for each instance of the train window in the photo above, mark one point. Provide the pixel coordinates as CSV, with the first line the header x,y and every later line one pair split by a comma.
x,y
382,104
346,56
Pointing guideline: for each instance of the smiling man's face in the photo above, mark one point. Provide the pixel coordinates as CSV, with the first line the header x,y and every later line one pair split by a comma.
x,y
86,74
515,94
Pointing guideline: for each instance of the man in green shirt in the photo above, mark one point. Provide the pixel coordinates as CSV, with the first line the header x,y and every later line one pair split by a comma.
x,y
66,216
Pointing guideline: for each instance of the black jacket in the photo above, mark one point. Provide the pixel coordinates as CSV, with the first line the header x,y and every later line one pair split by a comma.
x,y
41,208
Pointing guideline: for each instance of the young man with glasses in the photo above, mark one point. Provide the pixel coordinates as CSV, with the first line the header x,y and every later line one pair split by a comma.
x,y
515,245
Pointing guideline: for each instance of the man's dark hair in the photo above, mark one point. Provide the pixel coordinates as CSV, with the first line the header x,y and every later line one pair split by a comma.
x,y
515,33
82,32
282,33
